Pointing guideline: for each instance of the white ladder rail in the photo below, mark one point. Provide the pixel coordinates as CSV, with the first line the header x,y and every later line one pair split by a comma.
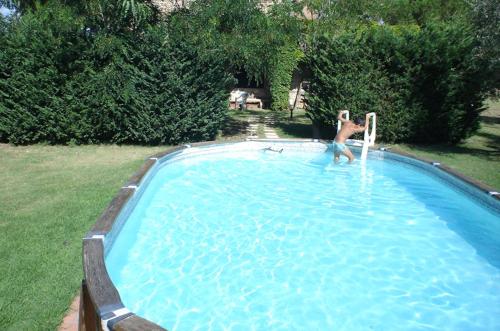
x,y
345,115
369,138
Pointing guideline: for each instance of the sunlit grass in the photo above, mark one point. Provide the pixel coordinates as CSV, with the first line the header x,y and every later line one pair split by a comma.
x,y
49,198
477,157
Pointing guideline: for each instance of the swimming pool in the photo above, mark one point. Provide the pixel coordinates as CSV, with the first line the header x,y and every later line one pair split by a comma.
x,y
233,237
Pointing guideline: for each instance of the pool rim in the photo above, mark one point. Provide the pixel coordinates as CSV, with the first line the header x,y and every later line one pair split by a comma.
x,y
100,303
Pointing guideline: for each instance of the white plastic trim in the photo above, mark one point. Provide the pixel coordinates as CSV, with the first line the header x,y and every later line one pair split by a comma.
x,y
131,186
116,313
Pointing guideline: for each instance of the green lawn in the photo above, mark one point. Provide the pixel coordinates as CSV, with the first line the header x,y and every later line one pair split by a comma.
x,y
477,157
50,197
297,127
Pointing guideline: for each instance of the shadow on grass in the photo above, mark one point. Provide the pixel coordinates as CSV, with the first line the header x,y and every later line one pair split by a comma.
x,y
493,140
490,155
235,127
485,143
297,130
490,119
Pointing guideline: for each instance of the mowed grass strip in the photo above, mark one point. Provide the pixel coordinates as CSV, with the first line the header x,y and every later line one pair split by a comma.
x,y
49,198
477,157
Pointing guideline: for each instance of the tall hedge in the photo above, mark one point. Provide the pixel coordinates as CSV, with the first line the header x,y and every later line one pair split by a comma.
x,y
63,82
426,84
38,55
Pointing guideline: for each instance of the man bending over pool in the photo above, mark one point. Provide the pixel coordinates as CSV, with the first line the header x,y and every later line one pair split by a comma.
x,y
347,130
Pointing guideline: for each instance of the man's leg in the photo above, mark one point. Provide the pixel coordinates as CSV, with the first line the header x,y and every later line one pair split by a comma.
x,y
337,157
348,153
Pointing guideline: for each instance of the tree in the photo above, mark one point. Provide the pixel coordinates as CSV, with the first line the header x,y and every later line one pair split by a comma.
x,y
486,18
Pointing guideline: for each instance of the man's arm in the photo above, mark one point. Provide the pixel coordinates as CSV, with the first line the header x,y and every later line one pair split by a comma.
x,y
340,117
363,128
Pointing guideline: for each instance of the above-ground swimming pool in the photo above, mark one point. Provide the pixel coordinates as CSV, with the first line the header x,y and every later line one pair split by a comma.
x,y
235,237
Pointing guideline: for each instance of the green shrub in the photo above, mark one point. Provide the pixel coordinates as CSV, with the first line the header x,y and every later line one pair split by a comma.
x,y
347,75
263,46
284,63
37,57
425,83
61,82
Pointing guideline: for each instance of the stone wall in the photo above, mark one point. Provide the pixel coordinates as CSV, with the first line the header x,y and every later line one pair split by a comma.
x,y
166,6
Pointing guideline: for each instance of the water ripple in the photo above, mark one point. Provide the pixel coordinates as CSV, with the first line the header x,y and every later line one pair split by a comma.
x,y
292,241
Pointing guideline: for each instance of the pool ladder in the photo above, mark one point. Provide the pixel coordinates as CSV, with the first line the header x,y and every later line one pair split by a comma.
x,y
368,138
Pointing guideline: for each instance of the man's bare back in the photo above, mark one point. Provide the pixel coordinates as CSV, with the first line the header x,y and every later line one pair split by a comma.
x,y
347,130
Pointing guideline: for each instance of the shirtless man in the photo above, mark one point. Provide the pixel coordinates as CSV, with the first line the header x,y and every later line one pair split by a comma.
x,y
347,130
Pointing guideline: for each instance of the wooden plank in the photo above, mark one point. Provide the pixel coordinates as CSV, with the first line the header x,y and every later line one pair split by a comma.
x,y
101,290
139,175
87,317
168,151
135,323
106,220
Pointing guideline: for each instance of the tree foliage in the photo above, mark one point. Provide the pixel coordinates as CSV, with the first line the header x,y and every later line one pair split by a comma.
x,y
70,78
117,71
425,83
264,47
486,19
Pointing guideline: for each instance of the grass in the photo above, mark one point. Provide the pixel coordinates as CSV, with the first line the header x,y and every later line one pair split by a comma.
x,y
477,157
50,196
297,127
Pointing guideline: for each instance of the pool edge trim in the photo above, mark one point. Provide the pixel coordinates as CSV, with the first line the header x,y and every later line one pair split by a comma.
x,y
454,173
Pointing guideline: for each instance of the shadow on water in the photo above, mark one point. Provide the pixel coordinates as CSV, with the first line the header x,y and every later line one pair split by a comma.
x,y
477,225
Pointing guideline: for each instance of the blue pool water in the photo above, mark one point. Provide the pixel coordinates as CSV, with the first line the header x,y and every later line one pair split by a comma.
x,y
260,240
